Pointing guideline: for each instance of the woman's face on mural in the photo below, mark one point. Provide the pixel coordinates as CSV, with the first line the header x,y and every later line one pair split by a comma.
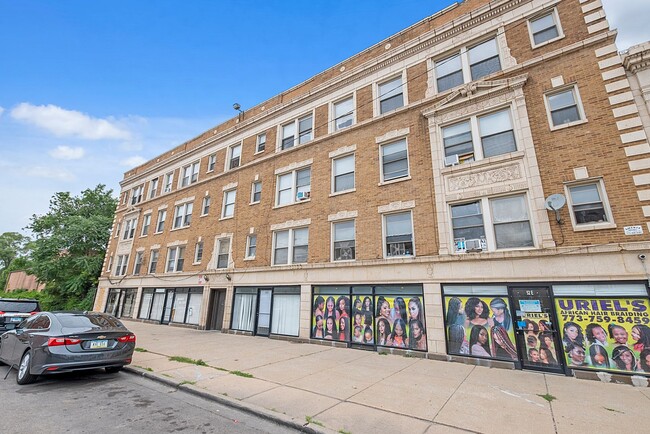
x,y
636,334
413,310
330,324
321,305
620,335
482,337
368,336
398,329
357,319
577,355
548,341
367,304
319,323
342,324
381,327
478,309
627,358
647,359
416,331
357,304
385,309
330,305
530,326
542,356
342,305
572,332
534,356
599,334
599,358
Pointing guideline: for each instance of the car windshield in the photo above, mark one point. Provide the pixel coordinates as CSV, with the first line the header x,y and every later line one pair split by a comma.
x,y
88,321
18,306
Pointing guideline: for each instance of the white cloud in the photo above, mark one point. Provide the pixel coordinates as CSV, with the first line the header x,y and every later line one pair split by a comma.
x,y
68,123
50,173
133,161
2,110
630,18
67,153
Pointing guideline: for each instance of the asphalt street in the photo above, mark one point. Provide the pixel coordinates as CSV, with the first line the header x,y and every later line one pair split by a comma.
x,y
94,402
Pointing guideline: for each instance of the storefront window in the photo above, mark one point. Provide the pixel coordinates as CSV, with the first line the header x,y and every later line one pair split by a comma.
x,y
478,322
285,319
145,305
194,307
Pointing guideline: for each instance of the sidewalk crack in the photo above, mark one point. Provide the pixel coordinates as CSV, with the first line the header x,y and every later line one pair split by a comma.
x,y
550,404
452,395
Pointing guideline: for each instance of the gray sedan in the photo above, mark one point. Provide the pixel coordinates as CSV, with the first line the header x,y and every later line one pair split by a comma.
x,y
55,342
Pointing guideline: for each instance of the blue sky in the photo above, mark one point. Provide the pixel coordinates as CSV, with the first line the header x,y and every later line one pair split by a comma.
x,y
89,89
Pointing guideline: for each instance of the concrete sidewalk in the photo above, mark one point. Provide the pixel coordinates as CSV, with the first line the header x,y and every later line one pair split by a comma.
x,y
354,391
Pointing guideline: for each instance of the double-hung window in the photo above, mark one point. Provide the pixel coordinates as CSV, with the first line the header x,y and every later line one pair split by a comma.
x,y
223,252
228,203
293,187
122,262
303,125
261,142
589,206
505,226
343,112
394,160
153,261
479,137
146,222
251,246
564,107
136,194
198,252
256,192
205,207
175,259
234,156
212,162
183,215
484,59
391,95
129,229
137,266
398,230
449,72
467,64
153,188
343,240
190,174
169,180
160,225
545,28
290,246
343,173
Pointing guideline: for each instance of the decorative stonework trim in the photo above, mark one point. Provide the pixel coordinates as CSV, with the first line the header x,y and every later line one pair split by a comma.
x,y
602,25
294,166
625,110
608,63
595,16
643,179
629,123
147,211
342,215
343,150
580,173
644,195
229,186
592,6
493,176
162,207
392,135
643,148
131,210
488,191
634,136
154,247
183,200
396,206
618,72
177,243
617,85
140,249
603,51
639,164
224,235
290,224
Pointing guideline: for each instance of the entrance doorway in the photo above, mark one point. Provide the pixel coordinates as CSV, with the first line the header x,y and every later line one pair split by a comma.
x,y
217,308
169,304
264,298
536,329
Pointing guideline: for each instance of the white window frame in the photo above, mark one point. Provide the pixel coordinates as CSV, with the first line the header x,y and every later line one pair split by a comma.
x,y
198,252
161,213
490,242
229,199
384,234
137,194
205,206
576,98
109,268
153,188
212,163
234,149
184,212
600,185
121,264
475,131
294,187
296,141
189,174
154,258
220,242
172,260
259,142
250,245
333,240
137,264
129,229
333,127
556,20
253,201
291,244
382,179
169,182
377,97
146,225
334,175
463,52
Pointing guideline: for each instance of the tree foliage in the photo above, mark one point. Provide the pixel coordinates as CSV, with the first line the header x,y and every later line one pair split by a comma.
x,y
12,245
70,245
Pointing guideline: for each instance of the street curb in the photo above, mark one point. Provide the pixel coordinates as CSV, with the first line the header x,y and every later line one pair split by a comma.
x,y
272,416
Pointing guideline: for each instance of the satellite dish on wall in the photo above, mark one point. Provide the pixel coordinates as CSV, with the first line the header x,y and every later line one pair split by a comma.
x,y
555,202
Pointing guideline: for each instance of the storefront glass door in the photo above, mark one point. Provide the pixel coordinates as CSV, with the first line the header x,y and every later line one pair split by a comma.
x,y
169,303
264,313
536,329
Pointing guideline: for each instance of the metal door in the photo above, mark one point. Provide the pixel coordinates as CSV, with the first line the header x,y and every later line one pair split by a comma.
x,y
169,303
264,312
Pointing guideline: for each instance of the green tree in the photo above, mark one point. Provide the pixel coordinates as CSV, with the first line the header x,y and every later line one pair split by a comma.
x,y
12,245
70,245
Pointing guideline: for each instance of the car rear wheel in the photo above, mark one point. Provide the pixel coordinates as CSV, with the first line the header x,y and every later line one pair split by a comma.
x,y
113,369
24,376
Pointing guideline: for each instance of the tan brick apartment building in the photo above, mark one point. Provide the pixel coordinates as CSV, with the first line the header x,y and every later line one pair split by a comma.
x,y
404,200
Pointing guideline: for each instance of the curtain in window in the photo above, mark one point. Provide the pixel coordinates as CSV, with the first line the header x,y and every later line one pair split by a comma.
x,y
146,304
156,310
243,312
180,301
286,314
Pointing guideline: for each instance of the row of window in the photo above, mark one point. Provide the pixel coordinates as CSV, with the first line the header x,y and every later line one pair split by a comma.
x,y
485,224
465,64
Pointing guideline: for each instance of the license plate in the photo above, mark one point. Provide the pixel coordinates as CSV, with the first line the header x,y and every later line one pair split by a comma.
x,y
16,319
98,344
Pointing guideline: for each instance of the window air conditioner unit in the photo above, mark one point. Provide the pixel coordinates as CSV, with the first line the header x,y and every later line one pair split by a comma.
x,y
451,160
302,195
474,245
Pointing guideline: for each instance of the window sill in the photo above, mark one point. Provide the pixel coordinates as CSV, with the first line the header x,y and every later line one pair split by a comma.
x,y
196,263
484,162
209,171
254,203
334,261
338,193
227,218
545,43
178,229
259,152
158,233
204,215
393,181
593,227
568,125
144,236
399,257
249,258
292,203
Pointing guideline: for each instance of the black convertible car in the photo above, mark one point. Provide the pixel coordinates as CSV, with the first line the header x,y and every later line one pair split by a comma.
x,y
56,342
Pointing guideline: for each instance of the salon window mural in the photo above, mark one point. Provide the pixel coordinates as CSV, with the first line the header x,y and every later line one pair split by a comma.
x,y
605,333
373,318
480,327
